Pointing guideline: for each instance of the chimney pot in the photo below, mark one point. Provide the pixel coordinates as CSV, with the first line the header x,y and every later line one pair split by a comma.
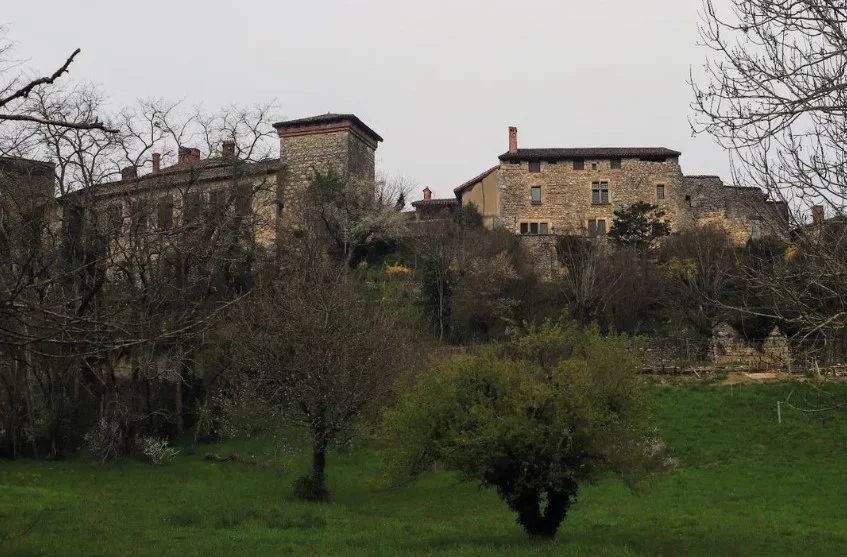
x,y
427,193
817,214
513,139
189,155
228,149
157,162
129,173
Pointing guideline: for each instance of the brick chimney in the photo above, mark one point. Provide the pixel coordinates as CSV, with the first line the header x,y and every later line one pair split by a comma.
x,y
817,214
129,173
157,162
513,139
228,149
427,194
189,155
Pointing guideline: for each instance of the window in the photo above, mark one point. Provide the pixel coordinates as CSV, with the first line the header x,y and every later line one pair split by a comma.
x,y
536,195
139,218
596,227
688,200
756,230
218,202
593,166
579,164
116,218
535,166
190,208
244,200
616,164
165,213
660,191
534,228
600,193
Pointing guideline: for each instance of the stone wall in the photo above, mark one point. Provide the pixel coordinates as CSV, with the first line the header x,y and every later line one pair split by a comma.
x,y
743,212
301,156
689,201
566,193
728,347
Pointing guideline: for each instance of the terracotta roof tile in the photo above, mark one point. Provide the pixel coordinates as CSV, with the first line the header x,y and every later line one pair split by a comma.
x,y
589,153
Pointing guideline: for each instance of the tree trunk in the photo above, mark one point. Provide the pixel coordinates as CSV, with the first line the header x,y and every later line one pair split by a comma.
x,y
319,462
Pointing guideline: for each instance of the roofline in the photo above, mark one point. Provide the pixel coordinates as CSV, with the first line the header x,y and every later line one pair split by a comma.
x,y
327,119
440,201
170,177
547,153
476,179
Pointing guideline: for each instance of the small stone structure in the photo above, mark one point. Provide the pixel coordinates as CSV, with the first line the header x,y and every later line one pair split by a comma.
x,y
728,347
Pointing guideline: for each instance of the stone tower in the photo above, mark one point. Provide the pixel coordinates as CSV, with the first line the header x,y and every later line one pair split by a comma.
x,y
338,142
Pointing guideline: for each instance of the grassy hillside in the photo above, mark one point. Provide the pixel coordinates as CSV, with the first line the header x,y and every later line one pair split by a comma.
x,y
745,486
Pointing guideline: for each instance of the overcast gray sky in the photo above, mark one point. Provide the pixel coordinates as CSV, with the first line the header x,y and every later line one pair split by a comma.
x,y
440,80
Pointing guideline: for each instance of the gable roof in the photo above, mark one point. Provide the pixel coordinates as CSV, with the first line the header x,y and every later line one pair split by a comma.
x,y
589,153
467,185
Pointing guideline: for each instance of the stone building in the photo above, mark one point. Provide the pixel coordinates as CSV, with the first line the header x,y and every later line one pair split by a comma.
x,y
269,192
543,192
340,144
26,199
429,209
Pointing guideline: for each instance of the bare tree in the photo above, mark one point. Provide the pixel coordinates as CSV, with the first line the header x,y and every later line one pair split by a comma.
x,y
774,94
16,88
123,279
320,352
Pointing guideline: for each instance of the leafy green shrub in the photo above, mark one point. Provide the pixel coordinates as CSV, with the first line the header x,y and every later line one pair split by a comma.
x,y
533,417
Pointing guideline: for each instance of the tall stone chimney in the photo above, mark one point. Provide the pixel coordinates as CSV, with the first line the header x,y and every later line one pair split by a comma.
x,y
189,155
427,194
129,173
157,162
513,139
228,149
817,214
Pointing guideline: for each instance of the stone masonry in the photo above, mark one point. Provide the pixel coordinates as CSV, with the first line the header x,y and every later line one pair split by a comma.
x,y
566,192
551,192
338,143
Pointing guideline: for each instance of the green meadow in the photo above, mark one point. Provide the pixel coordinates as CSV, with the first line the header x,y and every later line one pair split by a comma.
x,y
744,485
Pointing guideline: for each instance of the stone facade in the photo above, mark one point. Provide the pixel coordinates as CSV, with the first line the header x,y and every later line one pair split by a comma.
x,y
337,143
576,191
566,193
744,212
270,191
26,199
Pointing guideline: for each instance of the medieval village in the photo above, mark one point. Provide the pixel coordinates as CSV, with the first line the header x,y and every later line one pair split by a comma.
x,y
236,331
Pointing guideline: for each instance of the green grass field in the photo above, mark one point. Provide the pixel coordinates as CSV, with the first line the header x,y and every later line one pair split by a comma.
x,y
746,485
